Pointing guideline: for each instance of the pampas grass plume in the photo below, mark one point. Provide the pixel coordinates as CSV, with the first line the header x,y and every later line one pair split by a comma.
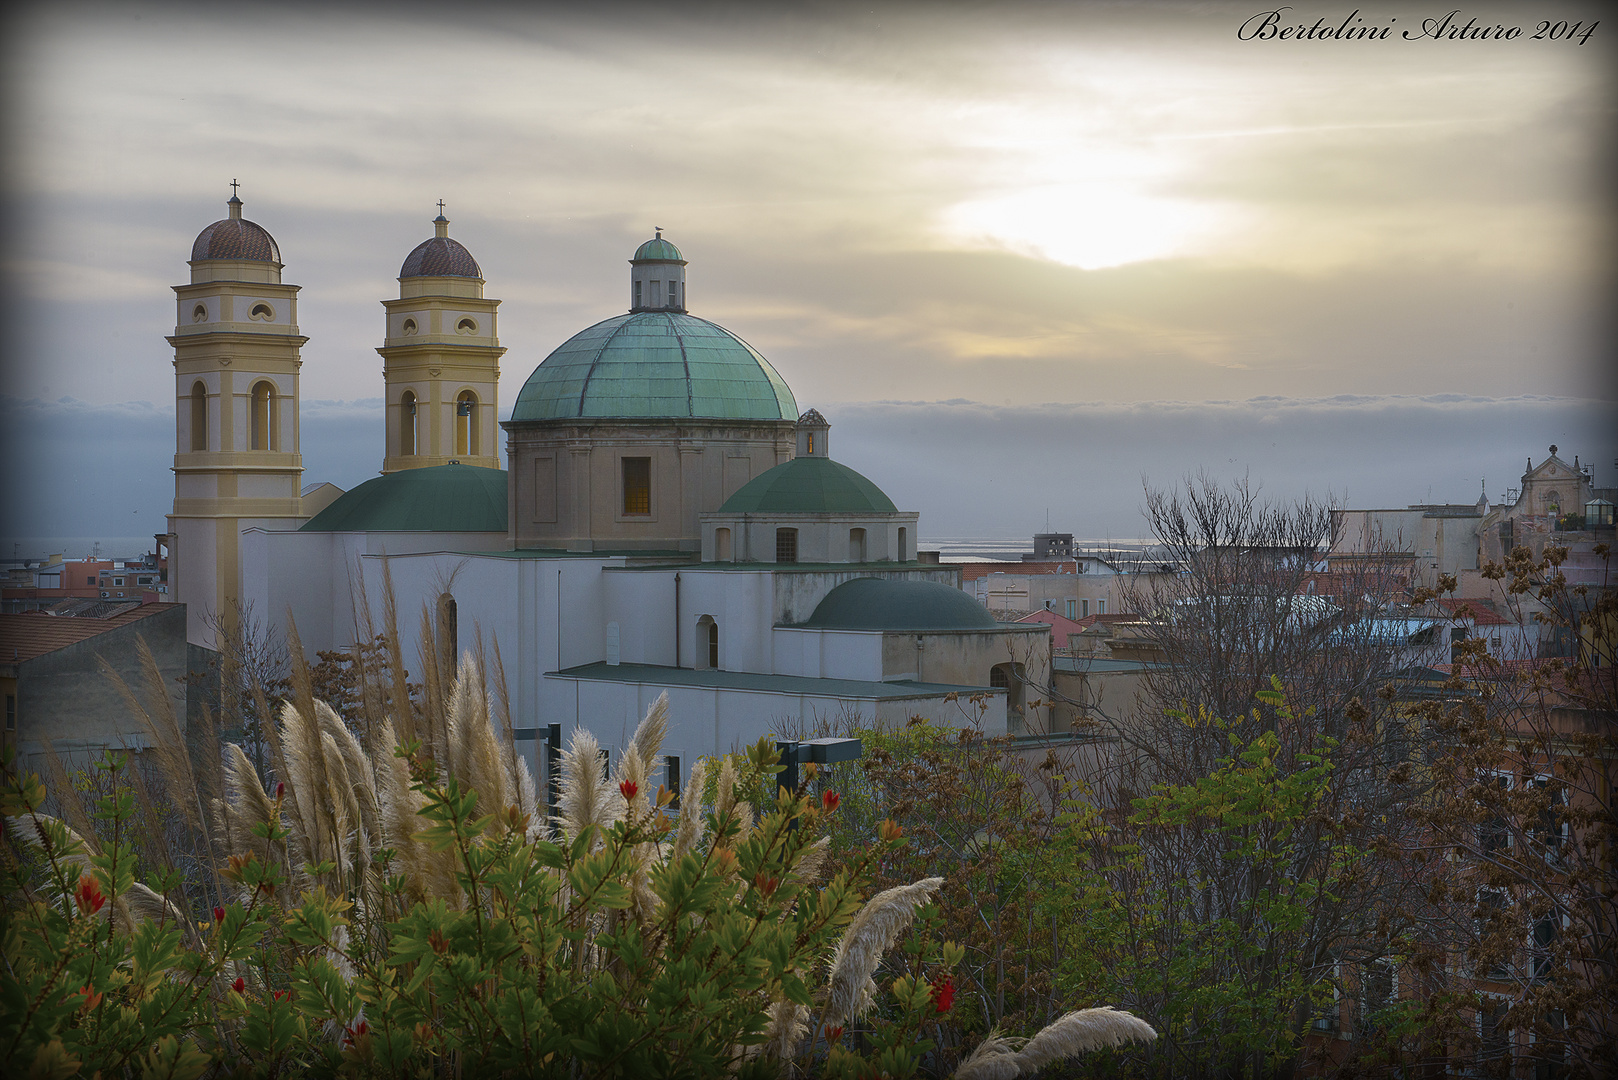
x,y
872,933
1085,1029
994,1059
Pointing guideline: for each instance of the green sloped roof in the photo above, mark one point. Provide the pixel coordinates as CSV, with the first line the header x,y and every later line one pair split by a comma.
x,y
808,485
655,365
659,250
887,604
443,498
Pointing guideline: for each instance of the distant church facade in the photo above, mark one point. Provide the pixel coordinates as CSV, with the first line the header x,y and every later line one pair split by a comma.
x,y
667,520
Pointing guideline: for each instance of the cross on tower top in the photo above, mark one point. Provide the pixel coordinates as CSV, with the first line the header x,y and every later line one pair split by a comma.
x,y
440,207
233,186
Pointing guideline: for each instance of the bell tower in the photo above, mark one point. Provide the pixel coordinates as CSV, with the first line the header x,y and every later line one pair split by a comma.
x,y
441,360
236,460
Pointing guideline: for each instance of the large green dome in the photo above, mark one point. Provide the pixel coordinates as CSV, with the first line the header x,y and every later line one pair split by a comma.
x,y
655,365
808,485
441,498
886,604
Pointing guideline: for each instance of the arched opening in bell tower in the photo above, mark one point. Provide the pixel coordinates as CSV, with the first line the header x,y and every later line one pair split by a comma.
x,y
265,417
407,425
466,424
199,417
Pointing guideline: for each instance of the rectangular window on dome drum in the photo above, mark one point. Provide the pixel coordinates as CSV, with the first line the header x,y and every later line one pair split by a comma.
x,y
786,545
637,485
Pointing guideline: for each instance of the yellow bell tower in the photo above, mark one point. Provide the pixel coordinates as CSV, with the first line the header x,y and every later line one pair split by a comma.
x,y
236,460
441,360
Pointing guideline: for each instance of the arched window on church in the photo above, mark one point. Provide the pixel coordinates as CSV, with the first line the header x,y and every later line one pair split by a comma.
x,y
721,545
904,543
856,543
466,424
266,412
199,416
707,643
407,425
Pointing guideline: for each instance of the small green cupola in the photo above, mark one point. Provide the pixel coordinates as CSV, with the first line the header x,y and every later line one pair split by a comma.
x,y
657,277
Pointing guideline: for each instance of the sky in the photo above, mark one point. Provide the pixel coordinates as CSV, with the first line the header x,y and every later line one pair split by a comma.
x,y
1027,259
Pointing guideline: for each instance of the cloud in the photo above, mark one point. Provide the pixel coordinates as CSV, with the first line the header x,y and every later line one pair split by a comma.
x,y
971,468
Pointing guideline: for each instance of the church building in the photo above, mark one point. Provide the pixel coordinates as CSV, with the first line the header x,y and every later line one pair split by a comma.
x,y
667,521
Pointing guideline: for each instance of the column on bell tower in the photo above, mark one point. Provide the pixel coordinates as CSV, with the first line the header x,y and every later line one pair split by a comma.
x,y
441,360
236,459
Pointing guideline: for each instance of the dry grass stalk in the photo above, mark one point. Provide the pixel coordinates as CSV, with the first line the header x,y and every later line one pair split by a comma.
x,y
994,1059
851,990
1085,1029
402,709
693,821
785,1030
586,799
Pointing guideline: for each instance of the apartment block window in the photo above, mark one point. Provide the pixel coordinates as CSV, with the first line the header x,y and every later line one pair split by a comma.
x,y
637,486
1072,607
1101,607
117,581
11,712
786,545
1084,609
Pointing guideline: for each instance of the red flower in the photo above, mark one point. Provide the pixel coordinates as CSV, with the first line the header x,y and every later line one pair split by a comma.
x,y
218,914
944,994
354,1033
629,788
830,799
283,995
91,999
89,895
280,789
834,1033
240,985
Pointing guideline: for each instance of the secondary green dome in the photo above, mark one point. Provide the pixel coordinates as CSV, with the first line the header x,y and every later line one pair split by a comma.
x,y
655,365
442,498
884,604
809,485
658,250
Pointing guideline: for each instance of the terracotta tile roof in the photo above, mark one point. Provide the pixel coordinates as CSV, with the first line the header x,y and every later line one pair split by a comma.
x,y
31,633
1061,625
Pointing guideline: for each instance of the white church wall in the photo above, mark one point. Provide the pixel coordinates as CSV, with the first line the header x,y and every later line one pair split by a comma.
x,y
828,654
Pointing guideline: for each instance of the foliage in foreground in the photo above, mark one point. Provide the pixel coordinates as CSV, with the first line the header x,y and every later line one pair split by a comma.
x,y
385,917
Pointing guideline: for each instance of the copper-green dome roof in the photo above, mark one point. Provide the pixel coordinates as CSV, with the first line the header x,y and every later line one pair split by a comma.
x,y
441,498
655,365
658,250
886,604
808,485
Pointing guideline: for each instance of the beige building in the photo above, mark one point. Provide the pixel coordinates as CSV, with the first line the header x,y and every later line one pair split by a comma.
x,y
236,461
441,360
